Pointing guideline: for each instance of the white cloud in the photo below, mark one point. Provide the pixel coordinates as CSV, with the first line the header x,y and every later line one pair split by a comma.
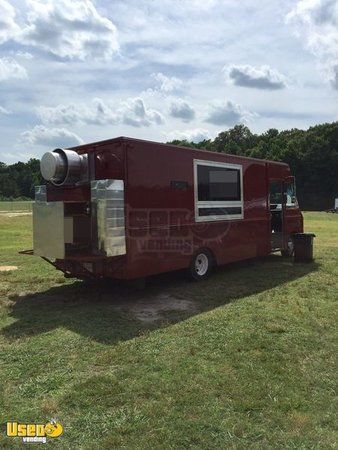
x,y
263,77
182,110
24,55
316,22
70,114
9,68
70,29
334,79
228,113
8,26
4,111
52,137
132,112
194,135
167,84
184,43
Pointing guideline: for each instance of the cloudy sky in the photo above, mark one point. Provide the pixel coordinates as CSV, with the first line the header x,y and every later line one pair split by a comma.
x,y
75,71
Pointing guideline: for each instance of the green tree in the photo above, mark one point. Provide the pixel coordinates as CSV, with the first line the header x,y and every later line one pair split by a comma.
x,y
312,156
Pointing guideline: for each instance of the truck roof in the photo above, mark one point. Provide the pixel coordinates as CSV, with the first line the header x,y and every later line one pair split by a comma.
x,y
84,147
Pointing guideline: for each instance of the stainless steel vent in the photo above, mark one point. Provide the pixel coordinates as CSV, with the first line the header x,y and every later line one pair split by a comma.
x,y
107,198
49,229
64,167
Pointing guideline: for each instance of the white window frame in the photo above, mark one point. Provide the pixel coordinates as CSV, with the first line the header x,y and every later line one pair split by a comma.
x,y
215,204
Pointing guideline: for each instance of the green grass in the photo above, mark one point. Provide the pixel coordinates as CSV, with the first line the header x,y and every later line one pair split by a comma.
x,y
16,206
251,363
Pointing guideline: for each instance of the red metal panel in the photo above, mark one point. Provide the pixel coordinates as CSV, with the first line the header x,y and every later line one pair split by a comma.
x,y
278,170
154,208
109,161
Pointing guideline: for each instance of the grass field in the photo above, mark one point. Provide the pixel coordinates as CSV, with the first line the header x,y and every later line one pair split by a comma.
x,y
16,206
243,360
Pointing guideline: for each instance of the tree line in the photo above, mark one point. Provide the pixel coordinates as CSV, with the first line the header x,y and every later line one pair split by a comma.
x,y
17,181
311,154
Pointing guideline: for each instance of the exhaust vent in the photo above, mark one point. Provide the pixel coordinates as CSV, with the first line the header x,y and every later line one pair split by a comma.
x,y
64,167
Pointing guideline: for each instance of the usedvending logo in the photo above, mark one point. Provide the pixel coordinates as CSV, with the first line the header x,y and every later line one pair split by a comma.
x,y
34,432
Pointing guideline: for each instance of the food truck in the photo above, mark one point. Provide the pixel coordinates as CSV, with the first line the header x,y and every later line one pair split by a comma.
x,y
127,208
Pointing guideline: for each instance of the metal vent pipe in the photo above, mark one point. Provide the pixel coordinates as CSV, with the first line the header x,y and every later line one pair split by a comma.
x,y
63,166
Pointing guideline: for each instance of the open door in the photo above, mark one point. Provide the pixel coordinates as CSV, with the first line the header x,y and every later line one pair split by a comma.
x,y
276,214
285,216
292,217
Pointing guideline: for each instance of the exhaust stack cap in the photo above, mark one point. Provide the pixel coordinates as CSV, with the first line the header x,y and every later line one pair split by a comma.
x,y
53,166
63,166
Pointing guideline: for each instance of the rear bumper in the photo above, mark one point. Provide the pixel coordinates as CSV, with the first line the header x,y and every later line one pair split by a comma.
x,y
87,265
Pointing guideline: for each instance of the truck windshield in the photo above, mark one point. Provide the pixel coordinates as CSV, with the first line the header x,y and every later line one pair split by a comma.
x,y
290,191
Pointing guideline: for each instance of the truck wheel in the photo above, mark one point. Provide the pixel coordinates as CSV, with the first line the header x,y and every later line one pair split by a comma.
x,y
289,251
201,265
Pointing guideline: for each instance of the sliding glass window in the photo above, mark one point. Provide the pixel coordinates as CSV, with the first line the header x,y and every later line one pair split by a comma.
x,y
218,191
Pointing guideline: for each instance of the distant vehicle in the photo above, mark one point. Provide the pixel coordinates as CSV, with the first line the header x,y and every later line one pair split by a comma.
x,y
127,208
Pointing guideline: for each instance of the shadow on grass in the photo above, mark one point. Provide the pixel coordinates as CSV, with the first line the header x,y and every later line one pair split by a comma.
x,y
110,312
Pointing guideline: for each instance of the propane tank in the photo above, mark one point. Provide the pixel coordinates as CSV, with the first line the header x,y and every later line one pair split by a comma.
x,y
63,166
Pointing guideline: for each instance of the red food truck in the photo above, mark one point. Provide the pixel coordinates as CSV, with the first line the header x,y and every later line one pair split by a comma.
x,y
128,208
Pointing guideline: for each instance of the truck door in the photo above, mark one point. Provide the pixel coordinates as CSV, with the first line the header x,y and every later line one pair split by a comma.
x,y
276,213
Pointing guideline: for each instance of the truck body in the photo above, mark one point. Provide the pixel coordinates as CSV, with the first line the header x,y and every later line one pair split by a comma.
x,y
127,208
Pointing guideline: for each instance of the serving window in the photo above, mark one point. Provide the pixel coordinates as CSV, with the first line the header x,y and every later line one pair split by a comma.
x,y
218,191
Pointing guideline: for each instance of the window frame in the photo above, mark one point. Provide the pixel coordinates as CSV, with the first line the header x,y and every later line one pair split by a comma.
x,y
215,203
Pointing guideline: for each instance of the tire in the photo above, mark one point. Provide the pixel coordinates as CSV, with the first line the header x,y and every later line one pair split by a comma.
x,y
289,251
201,265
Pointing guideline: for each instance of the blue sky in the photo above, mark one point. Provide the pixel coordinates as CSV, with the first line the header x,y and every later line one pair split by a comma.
x,y
81,71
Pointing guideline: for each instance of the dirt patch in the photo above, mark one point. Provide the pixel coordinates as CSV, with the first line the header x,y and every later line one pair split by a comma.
x,y
14,214
7,268
151,309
